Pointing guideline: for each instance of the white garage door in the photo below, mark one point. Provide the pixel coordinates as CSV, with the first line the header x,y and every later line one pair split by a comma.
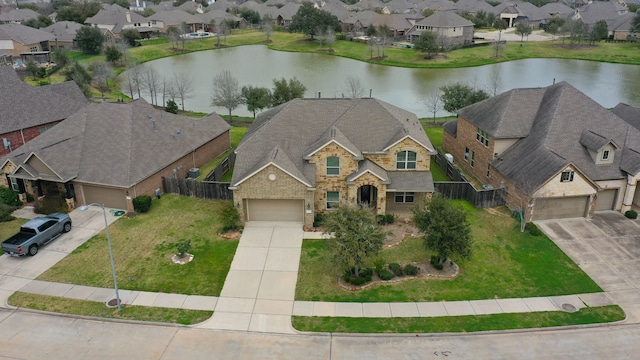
x,y
559,208
606,200
275,210
113,198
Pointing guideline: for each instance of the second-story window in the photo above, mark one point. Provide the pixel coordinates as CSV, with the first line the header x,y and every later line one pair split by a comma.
x,y
406,160
483,137
333,165
566,176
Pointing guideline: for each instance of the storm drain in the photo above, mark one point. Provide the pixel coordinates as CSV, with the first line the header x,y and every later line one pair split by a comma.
x,y
568,307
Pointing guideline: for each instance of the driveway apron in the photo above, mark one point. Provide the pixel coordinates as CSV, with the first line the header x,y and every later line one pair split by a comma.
x,y
258,293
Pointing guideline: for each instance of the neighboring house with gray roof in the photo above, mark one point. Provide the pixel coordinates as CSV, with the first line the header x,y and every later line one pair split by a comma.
x,y
449,26
64,33
176,18
557,152
515,12
473,6
18,16
115,18
20,40
308,156
28,111
109,153
599,10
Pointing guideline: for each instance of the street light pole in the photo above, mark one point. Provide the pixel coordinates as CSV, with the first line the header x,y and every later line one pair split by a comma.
x,y
113,264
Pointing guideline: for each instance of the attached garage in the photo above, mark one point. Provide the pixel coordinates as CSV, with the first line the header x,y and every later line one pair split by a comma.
x,y
114,198
606,200
275,210
558,208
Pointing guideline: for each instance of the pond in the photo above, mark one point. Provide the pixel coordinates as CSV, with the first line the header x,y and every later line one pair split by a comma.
x,y
325,76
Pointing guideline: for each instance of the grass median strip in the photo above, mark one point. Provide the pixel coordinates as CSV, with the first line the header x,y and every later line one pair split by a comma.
x,y
589,315
97,309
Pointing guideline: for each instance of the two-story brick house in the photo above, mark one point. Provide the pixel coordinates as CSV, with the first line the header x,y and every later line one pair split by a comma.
x,y
557,152
309,156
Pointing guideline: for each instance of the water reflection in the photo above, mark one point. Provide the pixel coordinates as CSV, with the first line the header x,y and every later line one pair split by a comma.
x,y
407,88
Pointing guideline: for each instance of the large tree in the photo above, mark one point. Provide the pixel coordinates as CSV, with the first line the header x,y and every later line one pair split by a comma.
x,y
80,76
39,22
308,20
226,91
427,43
458,95
356,236
284,91
256,98
599,32
89,39
130,36
446,229
76,11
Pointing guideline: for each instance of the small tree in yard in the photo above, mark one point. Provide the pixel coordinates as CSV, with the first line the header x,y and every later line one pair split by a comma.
x,y
226,91
427,43
228,216
523,29
446,228
356,236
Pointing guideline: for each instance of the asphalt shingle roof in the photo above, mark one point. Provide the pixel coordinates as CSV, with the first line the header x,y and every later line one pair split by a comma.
x,y
24,35
24,106
628,113
63,30
116,144
296,127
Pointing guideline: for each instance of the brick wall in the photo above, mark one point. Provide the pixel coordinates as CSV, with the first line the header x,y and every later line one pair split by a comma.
x,y
20,137
466,138
283,187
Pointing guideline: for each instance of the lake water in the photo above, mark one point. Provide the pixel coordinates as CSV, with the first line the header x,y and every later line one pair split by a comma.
x,y
256,65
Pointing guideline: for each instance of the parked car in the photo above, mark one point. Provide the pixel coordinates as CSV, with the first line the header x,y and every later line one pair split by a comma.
x,y
36,233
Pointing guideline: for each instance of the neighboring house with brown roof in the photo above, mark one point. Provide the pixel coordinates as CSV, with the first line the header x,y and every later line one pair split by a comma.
x,y
308,156
27,111
114,18
20,40
64,33
109,153
448,25
18,16
557,152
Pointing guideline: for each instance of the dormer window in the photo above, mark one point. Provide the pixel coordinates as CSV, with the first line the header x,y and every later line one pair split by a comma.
x,y
406,160
605,155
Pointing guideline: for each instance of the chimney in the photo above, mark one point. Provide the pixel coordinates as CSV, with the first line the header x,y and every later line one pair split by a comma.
x,y
128,16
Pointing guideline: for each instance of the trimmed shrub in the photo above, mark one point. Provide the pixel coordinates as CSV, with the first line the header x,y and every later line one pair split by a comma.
x,y
142,203
631,214
365,276
435,262
532,229
396,269
5,213
183,247
366,273
385,275
386,219
50,205
9,197
411,270
318,219
378,265
228,216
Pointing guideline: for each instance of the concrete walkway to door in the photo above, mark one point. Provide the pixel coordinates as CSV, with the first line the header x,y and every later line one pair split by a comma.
x,y
258,294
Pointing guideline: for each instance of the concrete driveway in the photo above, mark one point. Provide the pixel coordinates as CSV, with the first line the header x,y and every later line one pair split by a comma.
x,y
16,272
607,248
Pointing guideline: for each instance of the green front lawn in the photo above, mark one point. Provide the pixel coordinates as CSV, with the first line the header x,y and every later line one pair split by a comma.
x,y
590,315
143,247
505,264
10,228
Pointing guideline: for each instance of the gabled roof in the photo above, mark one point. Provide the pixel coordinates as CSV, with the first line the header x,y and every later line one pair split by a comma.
x,y
175,17
24,106
63,30
473,6
443,19
557,9
19,15
117,16
24,35
628,113
115,144
600,10
621,23
299,126
557,137
334,135
595,142
367,166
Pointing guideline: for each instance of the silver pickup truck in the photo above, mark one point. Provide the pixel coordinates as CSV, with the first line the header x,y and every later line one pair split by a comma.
x,y
35,233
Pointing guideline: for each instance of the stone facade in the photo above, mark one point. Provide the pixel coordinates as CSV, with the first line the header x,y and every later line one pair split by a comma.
x,y
324,182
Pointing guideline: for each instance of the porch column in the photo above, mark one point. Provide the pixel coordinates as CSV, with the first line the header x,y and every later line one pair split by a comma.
x,y
629,193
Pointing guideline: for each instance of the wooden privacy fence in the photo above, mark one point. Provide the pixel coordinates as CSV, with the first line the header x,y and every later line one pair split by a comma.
x,y
458,190
223,168
198,189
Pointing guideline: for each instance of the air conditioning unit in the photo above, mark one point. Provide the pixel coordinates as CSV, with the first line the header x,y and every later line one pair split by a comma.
x,y
449,157
194,173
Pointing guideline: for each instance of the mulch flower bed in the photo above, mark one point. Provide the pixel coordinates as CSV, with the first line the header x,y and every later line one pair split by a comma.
x,y
450,271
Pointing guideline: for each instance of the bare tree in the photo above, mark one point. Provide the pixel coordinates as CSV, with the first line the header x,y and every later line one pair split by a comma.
x,y
354,87
166,89
434,103
330,38
102,72
226,91
495,81
136,78
183,86
151,79
267,26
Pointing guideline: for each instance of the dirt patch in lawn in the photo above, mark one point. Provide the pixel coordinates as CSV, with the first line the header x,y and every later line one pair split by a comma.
x,y
398,231
425,270
232,234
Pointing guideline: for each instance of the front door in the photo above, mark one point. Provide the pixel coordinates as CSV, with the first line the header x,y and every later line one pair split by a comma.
x,y
368,196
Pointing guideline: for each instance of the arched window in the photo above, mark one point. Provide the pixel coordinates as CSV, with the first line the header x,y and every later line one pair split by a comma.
x,y
406,160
